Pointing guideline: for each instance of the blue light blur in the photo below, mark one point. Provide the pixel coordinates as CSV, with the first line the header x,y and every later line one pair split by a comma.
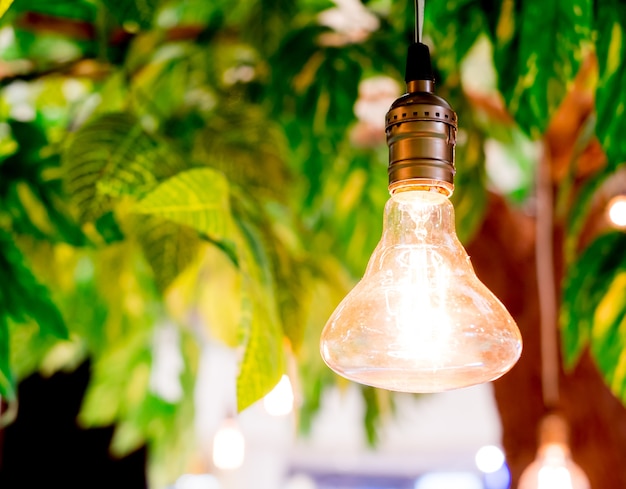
x,y
500,479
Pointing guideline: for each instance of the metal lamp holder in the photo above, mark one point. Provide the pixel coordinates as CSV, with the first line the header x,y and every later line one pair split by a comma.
x,y
421,127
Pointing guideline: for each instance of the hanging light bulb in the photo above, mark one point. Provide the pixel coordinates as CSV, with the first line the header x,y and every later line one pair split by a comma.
x,y
420,320
553,468
228,446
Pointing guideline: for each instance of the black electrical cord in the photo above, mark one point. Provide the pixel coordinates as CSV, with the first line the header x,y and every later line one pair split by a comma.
x,y
418,65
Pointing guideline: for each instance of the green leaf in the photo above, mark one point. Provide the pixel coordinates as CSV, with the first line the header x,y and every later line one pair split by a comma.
x,y
219,297
168,248
7,382
22,300
317,83
139,12
161,72
378,405
610,95
120,393
538,49
608,337
292,298
197,198
73,9
4,6
586,286
110,157
263,361
372,414
169,427
277,230
34,200
327,287
248,148
22,297
112,392
455,26
107,227
579,211
266,22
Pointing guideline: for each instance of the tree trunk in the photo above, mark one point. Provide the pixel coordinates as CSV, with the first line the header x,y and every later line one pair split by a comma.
x,y
597,419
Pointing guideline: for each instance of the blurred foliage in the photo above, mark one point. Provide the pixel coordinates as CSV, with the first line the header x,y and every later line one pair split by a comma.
x,y
201,164
594,307
538,48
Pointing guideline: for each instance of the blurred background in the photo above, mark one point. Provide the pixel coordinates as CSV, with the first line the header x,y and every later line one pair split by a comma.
x,y
189,188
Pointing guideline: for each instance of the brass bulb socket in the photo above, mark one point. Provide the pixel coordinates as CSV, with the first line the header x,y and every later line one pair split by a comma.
x,y
421,134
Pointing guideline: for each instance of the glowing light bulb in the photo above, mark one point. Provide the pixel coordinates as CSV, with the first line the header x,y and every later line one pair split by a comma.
x,y
617,211
228,446
553,468
279,402
420,320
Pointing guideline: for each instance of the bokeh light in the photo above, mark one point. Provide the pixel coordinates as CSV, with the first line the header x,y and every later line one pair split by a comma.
x,y
617,211
489,459
228,446
279,402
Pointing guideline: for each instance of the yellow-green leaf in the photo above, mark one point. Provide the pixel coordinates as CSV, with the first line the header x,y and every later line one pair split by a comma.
x,y
110,157
610,95
586,316
168,248
4,6
7,383
22,296
263,361
538,55
197,198
608,337
106,398
219,297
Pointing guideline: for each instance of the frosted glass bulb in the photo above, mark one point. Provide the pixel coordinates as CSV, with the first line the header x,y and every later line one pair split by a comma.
x,y
228,446
553,469
420,320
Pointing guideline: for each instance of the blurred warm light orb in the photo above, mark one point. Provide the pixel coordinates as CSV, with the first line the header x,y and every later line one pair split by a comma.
x,y
228,446
279,402
617,211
